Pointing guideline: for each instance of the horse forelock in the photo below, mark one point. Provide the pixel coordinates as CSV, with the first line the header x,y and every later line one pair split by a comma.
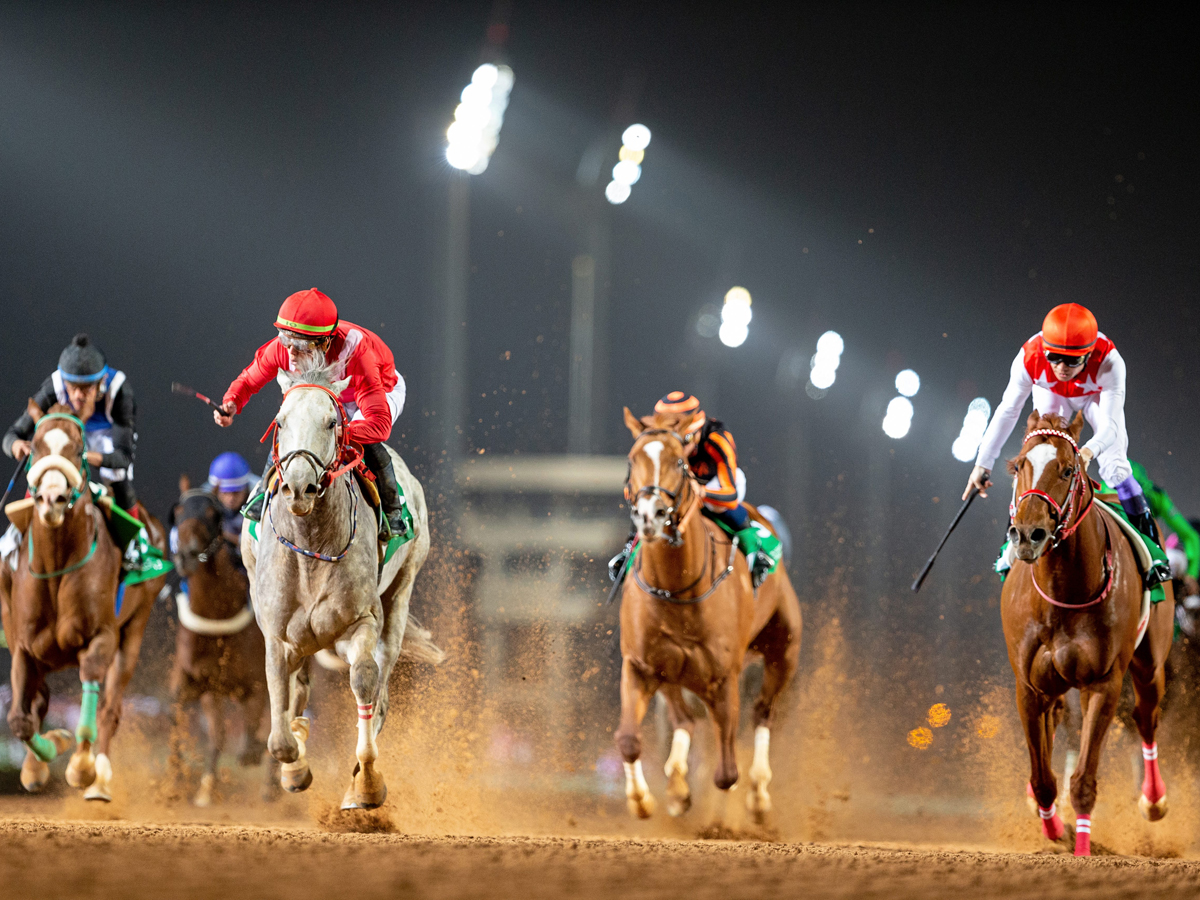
x,y
1050,422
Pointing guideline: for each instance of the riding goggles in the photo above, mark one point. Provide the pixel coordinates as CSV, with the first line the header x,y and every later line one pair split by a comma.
x,y
1071,362
293,341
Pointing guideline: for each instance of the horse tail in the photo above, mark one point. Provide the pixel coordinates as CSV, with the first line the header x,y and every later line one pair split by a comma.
x,y
418,644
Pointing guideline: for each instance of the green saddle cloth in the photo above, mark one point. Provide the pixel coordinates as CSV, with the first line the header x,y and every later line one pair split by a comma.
x,y
1157,593
140,559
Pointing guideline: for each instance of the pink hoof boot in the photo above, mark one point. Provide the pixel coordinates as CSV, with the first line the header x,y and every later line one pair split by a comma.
x,y
1083,835
1052,825
1153,802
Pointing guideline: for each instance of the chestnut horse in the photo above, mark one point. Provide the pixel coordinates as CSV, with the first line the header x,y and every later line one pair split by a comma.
x,y
59,610
219,649
688,616
1072,614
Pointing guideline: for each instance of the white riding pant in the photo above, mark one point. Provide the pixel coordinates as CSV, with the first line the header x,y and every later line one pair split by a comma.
x,y
395,401
1112,462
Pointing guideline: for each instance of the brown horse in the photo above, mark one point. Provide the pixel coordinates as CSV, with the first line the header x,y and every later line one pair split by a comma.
x,y
1072,614
688,616
219,649
59,611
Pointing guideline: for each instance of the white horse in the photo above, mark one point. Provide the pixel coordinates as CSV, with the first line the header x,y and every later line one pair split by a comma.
x,y
316,584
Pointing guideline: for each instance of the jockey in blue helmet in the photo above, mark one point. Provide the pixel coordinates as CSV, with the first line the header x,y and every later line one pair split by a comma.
x,y
230,479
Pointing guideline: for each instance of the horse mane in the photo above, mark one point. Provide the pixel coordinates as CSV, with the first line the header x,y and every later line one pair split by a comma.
x,y
1036,422
319,375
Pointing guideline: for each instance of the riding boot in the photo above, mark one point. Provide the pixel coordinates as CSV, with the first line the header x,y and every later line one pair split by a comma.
x,y
749,543
1142,519
380,463
618,562
253,509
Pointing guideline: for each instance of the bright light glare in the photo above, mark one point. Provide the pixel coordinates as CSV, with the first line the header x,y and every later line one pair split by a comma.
x,y
473,136
830,343
908,383
974,425
898,419
738,294
631,155
475,94
626,172
736,310
616,192
896,428
822,377
733,334
636,137
462,156
486,75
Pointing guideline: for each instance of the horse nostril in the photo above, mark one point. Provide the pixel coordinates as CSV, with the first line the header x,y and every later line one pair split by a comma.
x,y
660,514
1037,535
1014,536
310,489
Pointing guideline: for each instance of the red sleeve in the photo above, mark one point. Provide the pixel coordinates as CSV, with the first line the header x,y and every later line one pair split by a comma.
x,y
270,358
370,396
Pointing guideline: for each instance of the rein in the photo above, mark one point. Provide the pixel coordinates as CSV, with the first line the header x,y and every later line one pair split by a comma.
x,y
73,567
1063,513
84,470
313,554
674,596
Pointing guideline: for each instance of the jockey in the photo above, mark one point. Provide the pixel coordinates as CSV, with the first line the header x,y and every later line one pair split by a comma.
x,y
103,400
230,479
309,330
712,458
1069,367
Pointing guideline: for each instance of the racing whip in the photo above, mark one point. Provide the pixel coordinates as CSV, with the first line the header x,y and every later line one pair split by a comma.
x,y
916,585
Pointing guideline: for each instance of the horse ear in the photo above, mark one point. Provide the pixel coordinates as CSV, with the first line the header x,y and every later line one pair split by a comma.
x,y
35,411
1032,422
185,484
338,386
285,379
635,425
1076,428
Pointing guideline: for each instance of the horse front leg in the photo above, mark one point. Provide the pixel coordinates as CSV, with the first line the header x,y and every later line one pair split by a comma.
x,y
1098,712
1037,718
636,690
367,788
683,726
211,707
85,767
725,705
30,699
289,729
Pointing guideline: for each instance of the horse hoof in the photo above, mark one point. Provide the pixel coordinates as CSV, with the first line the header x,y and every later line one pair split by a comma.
x,y
1152,812
35,774
370,791
1052,828
81,771
371,800
643,808
677,806
95,792
203,798
297,781
348,799
679,795
758,802
1083,843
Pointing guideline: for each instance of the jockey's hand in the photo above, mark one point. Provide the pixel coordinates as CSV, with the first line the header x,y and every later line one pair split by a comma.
x,y
21,449
1087,456
93,458
980,479
224,418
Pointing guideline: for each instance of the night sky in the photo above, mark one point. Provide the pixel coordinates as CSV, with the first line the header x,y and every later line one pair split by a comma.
x,y
927,180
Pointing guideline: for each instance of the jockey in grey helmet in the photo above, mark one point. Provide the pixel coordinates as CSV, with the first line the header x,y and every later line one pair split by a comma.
x,y
103,400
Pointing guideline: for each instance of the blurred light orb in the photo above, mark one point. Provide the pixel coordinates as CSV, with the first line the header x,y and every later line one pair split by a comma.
x,y
628,154
616,192
486,75
626,172
822,377
504,80
896,428
476,95
908,383
462,156
738,295
974,425
830,343
898,418
636,137
707,324
733,334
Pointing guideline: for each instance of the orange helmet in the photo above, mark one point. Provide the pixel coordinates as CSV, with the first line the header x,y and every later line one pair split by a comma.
x,y
1069,329
680,404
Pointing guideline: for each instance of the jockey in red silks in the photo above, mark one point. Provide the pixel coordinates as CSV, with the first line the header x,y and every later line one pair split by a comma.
x,y
1068,367
309,331
712,459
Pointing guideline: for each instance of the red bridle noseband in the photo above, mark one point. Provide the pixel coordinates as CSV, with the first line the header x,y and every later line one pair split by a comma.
x,y
347,453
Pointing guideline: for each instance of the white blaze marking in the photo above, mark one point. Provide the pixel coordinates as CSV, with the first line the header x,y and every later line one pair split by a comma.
x,y
654,450
55,441
681,743
1041,456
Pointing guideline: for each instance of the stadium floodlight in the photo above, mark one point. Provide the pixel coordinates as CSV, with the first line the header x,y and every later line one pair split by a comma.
x,y
735,317
975,423
625,174
898,418
824,364
473,135
908,383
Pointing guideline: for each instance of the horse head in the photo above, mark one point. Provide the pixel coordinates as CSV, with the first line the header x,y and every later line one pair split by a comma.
x,y
56,464
658,484
1045,473
199,520
308,435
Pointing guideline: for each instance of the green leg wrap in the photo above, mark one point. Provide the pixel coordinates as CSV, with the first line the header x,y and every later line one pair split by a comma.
x,y
86,730
43,748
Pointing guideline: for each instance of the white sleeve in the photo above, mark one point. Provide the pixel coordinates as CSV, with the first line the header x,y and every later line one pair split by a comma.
x,y
1111,407
1020,386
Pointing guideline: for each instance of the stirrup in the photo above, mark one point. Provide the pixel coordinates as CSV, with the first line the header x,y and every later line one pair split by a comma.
x,y
1158,573
617,563
253,509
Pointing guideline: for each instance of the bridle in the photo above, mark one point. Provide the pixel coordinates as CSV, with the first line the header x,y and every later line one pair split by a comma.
x,y
346,456
38,468
214,545
675,521
1063,513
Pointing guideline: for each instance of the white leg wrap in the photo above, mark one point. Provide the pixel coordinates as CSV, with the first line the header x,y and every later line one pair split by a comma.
x,y
367,750
760,768
635,781
681,743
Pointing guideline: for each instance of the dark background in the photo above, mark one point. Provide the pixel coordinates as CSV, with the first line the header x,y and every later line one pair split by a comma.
x,y
169,174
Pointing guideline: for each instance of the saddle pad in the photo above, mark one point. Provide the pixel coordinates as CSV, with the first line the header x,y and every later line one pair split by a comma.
x,y
1144,560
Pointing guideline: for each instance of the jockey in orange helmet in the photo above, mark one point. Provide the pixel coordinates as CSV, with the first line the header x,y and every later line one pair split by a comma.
x,y
311,333
712,458
1068,367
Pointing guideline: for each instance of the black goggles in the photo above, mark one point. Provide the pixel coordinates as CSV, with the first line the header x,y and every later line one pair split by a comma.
x,y
1071,362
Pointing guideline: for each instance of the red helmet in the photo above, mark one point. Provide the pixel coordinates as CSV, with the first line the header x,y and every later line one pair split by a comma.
x,y
1069,329
310,313
680,404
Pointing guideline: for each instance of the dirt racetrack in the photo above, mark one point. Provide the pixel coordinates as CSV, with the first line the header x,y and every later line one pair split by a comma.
x,y
131,861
